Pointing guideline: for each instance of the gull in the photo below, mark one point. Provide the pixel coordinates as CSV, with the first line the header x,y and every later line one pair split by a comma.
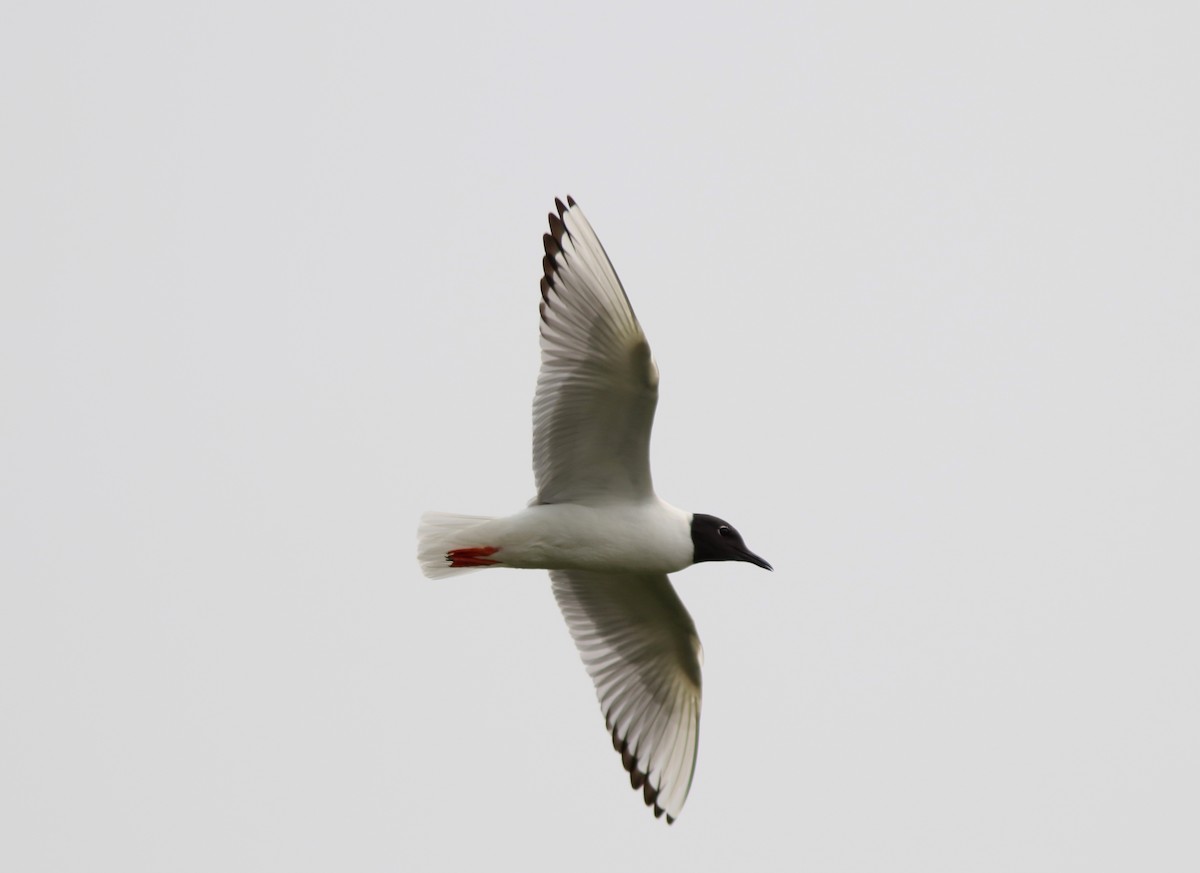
x,y
596,523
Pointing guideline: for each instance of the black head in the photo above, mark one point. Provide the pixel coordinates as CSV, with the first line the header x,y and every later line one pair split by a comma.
x,y
716,540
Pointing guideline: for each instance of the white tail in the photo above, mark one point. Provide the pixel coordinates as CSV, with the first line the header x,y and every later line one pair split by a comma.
x,y
439,533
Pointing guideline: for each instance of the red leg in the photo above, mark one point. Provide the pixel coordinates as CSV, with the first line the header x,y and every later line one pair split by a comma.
x,y
473,557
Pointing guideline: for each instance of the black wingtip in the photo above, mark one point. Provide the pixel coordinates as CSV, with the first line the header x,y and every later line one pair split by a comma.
x,y
638,779
571,201
558,204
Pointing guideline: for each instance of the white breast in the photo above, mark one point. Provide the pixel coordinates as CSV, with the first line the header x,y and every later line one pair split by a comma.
x,y
645,537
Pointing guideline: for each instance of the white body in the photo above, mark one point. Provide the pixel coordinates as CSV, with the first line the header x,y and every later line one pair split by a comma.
x,y
649,536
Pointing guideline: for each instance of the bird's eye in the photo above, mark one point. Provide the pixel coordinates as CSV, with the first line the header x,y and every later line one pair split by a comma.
x,y
725,530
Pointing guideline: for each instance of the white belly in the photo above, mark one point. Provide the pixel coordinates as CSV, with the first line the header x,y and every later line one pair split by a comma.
x,y
649,537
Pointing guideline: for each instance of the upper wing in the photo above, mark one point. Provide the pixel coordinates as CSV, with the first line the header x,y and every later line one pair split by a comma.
x,y
640,646
598,385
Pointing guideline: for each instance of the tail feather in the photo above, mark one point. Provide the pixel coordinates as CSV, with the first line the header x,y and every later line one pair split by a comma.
x,y
441,532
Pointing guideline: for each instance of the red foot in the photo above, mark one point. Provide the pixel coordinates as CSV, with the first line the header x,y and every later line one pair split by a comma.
x,y
475,557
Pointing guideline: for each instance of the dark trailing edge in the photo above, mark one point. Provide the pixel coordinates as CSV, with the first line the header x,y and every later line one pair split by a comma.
x,y
636,777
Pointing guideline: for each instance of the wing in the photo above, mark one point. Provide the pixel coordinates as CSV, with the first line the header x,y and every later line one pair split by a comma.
x,y
640,646
598,384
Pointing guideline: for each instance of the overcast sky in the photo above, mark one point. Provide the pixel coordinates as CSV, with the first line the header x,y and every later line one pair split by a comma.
x,y
923,284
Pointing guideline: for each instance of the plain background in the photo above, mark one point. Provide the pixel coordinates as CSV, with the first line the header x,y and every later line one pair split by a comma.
x,y
922,281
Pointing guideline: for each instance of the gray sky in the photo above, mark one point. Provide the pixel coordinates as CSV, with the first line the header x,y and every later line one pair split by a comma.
x,y
922,282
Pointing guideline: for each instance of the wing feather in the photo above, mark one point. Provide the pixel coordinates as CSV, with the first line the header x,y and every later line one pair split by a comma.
x,y
640,647
598,384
